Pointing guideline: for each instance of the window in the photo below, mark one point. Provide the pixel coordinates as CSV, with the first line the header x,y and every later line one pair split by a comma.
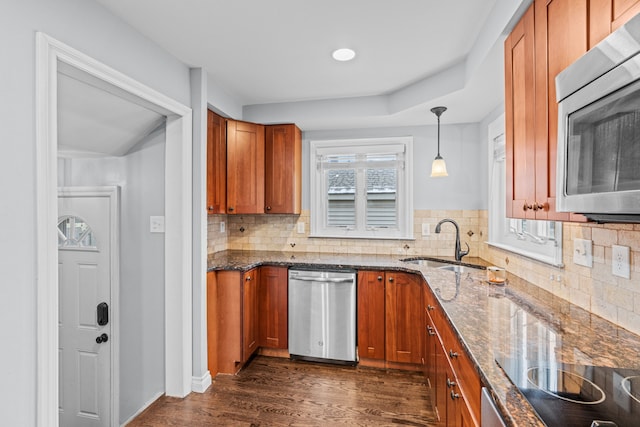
x,y
362,188
540,240
75,233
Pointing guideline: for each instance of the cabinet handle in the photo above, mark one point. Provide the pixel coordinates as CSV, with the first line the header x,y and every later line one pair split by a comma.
x,y
454,395
210,208
430,307
539,206
268,208
248,278
450,383
391,279
453,354
527,207
431,331
230,208
379,278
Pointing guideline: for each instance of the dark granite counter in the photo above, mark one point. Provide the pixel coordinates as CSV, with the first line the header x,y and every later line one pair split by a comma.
x,y
518,320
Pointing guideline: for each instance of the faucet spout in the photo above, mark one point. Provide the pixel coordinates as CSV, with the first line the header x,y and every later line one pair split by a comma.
x,y
459,253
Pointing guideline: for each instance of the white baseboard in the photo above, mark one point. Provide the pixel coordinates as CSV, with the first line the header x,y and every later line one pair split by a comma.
x,y
200,385
141,410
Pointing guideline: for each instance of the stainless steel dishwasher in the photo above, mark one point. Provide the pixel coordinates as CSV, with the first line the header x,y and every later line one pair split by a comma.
x,y
322,315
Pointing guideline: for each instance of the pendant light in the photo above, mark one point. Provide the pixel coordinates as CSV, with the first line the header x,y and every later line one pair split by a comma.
x,y
438,167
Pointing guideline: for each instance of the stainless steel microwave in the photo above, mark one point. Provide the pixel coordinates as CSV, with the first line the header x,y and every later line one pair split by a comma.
x,y
598,159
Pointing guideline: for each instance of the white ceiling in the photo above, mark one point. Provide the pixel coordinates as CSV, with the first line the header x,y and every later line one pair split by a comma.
x,y
94,119
410,55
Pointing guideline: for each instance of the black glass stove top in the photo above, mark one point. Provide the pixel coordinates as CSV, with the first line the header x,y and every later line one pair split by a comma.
x,y
567,395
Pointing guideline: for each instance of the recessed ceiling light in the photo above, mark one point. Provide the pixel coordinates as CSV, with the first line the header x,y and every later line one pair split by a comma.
x,y
343,54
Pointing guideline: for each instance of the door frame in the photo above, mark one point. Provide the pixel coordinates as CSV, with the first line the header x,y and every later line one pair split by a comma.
x,y
113,193
50,54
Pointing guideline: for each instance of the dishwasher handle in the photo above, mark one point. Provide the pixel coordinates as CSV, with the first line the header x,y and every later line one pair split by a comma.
x,y
323,279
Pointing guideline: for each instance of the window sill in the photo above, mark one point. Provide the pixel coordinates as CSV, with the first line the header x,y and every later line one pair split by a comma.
x,y
528,254
342,236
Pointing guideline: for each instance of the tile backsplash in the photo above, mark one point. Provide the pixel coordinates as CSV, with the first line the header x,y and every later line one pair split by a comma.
x,y
595,289
280,233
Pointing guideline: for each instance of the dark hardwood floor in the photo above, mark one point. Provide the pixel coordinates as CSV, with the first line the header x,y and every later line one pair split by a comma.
x,y
279,392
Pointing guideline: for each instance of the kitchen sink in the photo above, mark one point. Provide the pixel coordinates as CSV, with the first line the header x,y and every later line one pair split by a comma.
x,y
454,267
426,262
442,265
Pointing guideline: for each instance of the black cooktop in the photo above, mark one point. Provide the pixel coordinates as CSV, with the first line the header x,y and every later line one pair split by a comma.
x,y
567,395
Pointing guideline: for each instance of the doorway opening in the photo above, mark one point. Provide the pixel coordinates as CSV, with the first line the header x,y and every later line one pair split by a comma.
x,y
53,56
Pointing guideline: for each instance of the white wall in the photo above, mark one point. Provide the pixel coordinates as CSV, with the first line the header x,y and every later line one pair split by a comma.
x,y
88,27
140,176
462,147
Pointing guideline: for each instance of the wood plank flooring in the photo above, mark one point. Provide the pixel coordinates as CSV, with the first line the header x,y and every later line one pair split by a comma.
x,y
279,392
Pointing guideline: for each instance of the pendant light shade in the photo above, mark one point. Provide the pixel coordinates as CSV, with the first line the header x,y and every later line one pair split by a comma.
x,y
438,167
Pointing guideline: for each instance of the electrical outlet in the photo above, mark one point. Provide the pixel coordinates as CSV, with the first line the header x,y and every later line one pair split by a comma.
x,y
426,230
223,227
582,254
620,261
156,224
301,228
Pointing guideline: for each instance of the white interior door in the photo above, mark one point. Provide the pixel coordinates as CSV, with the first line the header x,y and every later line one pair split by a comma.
x,y
85,237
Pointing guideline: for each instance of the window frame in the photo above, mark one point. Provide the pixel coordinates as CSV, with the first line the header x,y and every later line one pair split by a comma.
x,y
500,235
404,192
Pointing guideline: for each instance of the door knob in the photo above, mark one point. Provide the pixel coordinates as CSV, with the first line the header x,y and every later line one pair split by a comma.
x,y
102,338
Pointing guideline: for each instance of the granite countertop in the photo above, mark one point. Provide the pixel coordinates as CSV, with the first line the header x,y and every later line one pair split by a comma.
x,y
487,318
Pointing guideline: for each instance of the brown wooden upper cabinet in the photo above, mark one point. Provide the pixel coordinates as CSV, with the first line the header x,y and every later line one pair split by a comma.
x,y
245,167
252,168
283,169
551,35
216,164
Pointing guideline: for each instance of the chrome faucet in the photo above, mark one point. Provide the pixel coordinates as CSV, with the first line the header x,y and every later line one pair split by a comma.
x,y
459,253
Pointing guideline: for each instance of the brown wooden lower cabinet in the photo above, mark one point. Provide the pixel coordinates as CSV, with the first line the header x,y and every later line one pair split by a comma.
x,y
225,324
273,307
403,318
371,321
453,379
245,311
250,332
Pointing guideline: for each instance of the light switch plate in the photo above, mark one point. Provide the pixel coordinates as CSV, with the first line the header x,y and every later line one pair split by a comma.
x,y
223,227
156,224
620,261
582,253
426,230
301,228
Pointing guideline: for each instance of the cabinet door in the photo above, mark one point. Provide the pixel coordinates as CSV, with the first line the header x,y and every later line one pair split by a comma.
x,y
519,113
272,307
283,169
403,318
229,321
561,37
216,164
434,359
245,168
212,323
622,11
600,19
249,313
371,317
441,395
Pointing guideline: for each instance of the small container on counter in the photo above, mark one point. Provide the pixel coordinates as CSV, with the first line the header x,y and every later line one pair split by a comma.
x,y
496,275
